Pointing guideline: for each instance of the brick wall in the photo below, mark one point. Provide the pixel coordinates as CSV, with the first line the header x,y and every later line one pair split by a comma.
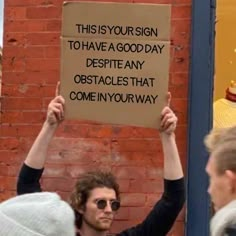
x,y
30,71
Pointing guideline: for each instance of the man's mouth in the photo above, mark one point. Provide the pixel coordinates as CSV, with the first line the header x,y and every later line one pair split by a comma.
x,y
106,218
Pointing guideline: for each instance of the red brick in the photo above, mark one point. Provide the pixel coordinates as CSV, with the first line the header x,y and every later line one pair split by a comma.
x,y
180,26
134,132
111,1
181,132
36,64
58,183
120,225
52,52
133,199
182,1
139,213
154,1
44,38
147,186
179,64
19,2
124,185
179,104
11,157
23,103
48,2
75,144
130,172
180,39
11,52
99,131
48,90
5,195
9,144
7,183
15,26
152,199
182,118
22,117
178,91
6,170
54,171
25,26
28,131
155,172
8,130
76,170
122,214
135,145
22,90
31,77
20,130
85,130
54,25
43,12
14,64
179,79
181,12
35,52
79,156
14,39
181,52
15,13
64,195
73,131
144,158
3,170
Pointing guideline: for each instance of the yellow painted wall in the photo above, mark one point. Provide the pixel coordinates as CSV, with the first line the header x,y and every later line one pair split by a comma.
x,y
225,50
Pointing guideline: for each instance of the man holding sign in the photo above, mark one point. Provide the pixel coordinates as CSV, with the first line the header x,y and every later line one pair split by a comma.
x,y
95,198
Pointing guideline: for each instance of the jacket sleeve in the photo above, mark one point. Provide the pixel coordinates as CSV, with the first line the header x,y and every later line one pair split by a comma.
x,y
162,217
29,180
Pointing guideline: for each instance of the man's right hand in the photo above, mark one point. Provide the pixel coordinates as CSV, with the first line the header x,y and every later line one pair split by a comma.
x,y
55,113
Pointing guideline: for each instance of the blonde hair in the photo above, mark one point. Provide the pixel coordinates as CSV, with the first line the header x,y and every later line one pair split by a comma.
x,y
213,139
221,143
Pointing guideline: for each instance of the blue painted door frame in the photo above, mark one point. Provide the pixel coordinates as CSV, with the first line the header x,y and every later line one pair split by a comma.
x,y
200,115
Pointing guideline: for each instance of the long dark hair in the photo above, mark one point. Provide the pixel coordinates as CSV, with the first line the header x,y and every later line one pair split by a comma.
x,y
83,187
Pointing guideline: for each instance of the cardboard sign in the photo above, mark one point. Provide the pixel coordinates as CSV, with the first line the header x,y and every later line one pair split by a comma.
x,y
115,62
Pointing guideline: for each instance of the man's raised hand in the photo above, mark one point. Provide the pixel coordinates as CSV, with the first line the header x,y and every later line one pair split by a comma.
x,y
55,112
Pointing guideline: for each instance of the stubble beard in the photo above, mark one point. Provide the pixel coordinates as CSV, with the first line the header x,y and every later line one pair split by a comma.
x,y
96,227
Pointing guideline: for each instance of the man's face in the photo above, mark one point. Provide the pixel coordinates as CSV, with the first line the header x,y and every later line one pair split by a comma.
x,y
99,219
219,185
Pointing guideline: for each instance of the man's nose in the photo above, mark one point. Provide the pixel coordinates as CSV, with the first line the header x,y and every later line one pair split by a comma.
x,y
108,207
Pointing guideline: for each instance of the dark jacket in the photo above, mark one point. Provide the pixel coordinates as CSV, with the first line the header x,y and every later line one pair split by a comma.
x,y
157,223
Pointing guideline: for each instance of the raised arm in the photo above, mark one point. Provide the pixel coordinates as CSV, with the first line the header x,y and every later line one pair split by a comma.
x,y
31,171
172,165
38,152
163,215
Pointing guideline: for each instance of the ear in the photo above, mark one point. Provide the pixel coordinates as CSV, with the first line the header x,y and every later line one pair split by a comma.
x,y
231,175
81,210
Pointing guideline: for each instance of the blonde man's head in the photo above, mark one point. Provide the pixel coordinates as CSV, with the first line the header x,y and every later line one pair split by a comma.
x,y
221,144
